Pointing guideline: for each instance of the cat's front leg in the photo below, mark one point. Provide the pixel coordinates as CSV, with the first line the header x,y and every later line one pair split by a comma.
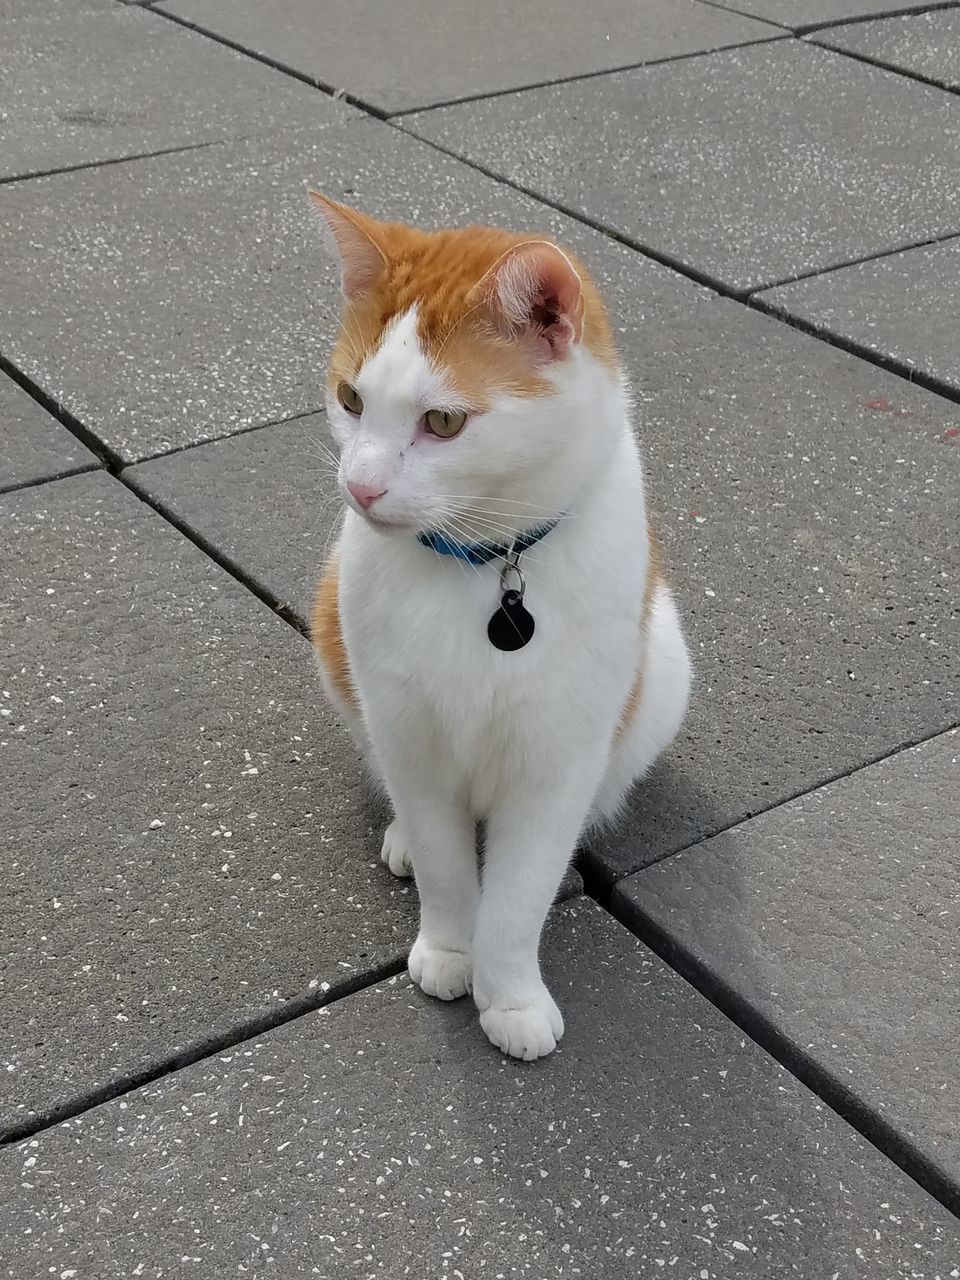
x,y
530,839
442,840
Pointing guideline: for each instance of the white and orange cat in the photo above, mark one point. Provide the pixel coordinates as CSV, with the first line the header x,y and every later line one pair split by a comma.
x,y
493,625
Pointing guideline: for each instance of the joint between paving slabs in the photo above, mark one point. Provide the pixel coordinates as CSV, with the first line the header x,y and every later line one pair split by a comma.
x,y
340,95
830,1089
601,884
889,364
578,77
927,242
808,28
10,179
299,1006
747,297
116,467
872,61
277,606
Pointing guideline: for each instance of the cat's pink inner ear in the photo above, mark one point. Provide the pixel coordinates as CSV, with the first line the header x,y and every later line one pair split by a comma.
x,y
352,239
537,292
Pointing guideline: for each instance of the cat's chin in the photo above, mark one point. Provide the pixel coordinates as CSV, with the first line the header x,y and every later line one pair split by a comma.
x,y
391,528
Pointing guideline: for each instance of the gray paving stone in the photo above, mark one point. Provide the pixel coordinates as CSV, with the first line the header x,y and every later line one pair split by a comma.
x,y
800,14
33,445
749,166
385,1137
810,507
837,920
187,297
923,44
187,840
905,307
83,81
434,51
266,500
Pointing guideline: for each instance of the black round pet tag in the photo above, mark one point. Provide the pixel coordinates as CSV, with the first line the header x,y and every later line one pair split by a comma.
x,y
511,627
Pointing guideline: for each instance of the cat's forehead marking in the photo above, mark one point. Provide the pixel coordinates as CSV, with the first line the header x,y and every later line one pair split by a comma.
x,y
397,370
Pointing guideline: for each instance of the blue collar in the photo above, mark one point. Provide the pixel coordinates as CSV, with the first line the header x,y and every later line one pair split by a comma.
x,y
483,552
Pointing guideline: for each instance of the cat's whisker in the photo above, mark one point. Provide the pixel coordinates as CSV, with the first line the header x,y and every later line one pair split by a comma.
x,y
519,520
481,534
481,531
324,449
448,529
479,497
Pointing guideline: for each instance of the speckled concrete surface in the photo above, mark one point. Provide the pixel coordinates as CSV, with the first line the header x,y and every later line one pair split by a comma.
x,y
837,918
798,14
443,50
83,81
187,840
905,307
751,166
382,1138
809,505
33,445
188,297
267,500
191,851
922,44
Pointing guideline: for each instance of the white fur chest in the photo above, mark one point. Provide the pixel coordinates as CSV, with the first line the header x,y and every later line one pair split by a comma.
x,y
415,625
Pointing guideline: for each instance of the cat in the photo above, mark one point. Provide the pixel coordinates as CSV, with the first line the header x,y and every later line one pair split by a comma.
x,y
493,625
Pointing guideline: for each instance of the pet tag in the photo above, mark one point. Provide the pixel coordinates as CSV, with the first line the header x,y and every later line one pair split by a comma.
x,y
511,627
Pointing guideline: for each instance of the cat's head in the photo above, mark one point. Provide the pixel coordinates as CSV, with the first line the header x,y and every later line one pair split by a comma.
x,y
474,380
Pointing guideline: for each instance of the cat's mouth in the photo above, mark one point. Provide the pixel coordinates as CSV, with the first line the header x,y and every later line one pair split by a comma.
x,y
383,524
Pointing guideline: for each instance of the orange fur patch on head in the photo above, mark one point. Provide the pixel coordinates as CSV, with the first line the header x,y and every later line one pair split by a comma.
x,y
439,272
327,634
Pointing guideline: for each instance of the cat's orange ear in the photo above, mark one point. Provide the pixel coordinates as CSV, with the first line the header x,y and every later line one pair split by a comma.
x,y
354,240
534,294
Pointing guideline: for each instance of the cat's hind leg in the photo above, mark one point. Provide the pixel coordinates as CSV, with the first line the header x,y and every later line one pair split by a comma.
x,y
654,718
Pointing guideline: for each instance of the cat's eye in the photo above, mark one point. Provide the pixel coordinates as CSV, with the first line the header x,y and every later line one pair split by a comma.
x,y
349,398
443,424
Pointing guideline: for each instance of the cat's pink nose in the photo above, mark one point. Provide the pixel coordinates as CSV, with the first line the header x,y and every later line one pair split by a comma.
x,y
365,495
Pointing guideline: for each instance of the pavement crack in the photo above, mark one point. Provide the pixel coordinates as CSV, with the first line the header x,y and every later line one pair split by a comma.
x,y
871,60
889,364
223,561
58,410
577,78
834,1092
298,1006
601,883
332,91
110,160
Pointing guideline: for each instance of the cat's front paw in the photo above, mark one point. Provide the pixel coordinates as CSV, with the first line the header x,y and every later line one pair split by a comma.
x,y
395,853
440,972
526,1031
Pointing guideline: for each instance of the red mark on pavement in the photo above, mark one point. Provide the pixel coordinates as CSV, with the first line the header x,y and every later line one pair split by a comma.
x,y
951,433
882,406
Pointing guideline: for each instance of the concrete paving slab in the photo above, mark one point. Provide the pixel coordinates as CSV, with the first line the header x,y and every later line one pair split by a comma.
x,y
445,50
187,297
384,1137
836,920
748,166
33,445
905,307
810,508
798,15
922,44
83,81
188,841
266,501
